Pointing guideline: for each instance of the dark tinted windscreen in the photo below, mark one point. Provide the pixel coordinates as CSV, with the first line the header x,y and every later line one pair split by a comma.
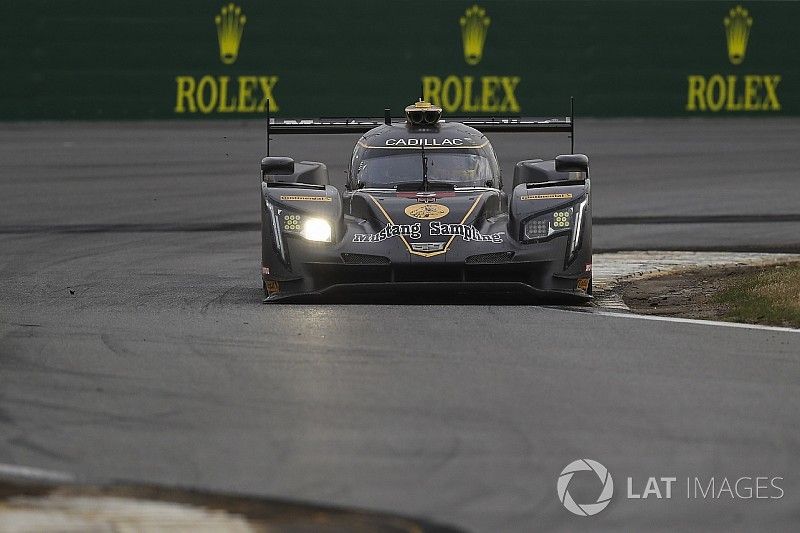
x,y
386,169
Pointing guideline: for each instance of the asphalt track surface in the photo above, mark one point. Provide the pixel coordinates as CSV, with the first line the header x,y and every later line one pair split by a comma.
x,y
133,344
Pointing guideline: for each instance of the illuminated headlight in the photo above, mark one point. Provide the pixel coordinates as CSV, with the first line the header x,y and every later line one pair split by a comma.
x,y
310,228
316,229
548,224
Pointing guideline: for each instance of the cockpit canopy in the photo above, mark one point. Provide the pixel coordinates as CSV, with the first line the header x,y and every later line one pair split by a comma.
x,y
394,156
460,168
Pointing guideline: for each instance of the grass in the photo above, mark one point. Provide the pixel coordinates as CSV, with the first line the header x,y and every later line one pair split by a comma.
x,y
768,295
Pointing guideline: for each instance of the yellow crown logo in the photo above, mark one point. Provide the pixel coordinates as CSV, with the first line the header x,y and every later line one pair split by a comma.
x,y
737,31
230,25
474,25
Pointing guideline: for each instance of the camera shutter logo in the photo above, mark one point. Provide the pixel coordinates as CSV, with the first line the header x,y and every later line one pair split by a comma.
x,y
585,509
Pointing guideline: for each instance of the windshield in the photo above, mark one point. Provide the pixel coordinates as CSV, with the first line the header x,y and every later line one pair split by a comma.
x,y
459,168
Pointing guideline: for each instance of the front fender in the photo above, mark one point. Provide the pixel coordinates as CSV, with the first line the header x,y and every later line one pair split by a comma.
x,y
279,200
530,199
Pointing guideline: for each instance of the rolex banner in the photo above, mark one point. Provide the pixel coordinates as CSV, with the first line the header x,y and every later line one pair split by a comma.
x,y
213,59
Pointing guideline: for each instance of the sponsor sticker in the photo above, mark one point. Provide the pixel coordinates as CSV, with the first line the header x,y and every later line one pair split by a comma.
x,y
552,196
412,231
427,211
306,198
426,142
468,233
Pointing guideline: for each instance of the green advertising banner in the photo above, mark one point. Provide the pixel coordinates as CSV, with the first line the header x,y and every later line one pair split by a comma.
x,y
202,58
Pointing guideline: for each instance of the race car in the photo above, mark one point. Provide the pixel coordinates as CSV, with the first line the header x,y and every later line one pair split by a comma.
x,y
424,210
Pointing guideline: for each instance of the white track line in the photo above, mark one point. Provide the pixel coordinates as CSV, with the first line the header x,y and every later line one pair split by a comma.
x,y
30,472
696,321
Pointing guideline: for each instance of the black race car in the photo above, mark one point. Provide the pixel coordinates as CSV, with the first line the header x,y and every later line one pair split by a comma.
x,y
424,210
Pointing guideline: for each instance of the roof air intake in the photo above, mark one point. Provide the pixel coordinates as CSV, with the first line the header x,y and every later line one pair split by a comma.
x,y
423,114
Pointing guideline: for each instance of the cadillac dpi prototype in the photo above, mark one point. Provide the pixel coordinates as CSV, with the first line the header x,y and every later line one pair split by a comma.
x,y
424,209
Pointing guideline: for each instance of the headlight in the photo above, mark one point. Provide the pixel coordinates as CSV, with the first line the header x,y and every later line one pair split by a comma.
x,y
316,229
543,226
568,220
310,228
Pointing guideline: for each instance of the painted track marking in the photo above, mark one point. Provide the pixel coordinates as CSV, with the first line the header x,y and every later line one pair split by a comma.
x,y
677,319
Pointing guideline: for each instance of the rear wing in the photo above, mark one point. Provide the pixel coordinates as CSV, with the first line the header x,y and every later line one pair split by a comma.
x,y
362,125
